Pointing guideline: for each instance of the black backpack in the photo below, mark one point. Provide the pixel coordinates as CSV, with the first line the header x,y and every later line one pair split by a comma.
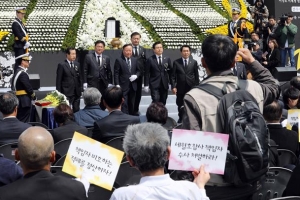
x,y
248,148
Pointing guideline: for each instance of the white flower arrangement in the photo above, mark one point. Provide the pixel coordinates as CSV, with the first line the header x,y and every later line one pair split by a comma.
x,y
93,24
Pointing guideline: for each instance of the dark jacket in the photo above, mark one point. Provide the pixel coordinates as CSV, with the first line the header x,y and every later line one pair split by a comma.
x,y
141,59
69,81
19,33
155,74
284,138
9,171
87,116
43,185
284,33
113,125
92,71
184,77
67,131
273,59
11,129
240,71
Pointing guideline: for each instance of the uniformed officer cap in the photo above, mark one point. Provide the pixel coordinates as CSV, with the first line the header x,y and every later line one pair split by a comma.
x,y
25,56
236,11
21,10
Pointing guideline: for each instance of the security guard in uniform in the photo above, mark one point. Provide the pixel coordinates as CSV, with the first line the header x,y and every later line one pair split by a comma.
x,y
23,89
19,30
237,29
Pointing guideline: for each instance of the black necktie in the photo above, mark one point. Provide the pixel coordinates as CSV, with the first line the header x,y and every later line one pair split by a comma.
x,y
128,63
71,63
185,63
99,60
159,60
234,71
136,53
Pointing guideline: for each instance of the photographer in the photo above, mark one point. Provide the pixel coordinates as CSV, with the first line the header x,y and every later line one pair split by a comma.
x,y
255,39
260,14
285,35
255,51
268,31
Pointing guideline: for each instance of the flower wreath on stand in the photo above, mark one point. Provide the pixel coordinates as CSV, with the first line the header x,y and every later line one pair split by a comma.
x,y
53,99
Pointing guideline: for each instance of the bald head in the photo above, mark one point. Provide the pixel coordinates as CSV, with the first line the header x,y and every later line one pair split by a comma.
x,y
35,147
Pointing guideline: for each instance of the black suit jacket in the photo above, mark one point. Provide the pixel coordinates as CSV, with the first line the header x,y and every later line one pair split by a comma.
x,y
141,58
11,129
284,138
113,125
69,81
122,73
43,185
184,75
154,74
273,59
240,71
19,33
67,131
92,71
23,83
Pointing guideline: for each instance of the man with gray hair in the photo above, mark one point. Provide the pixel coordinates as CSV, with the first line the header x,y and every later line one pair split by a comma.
x,y
147,148
10,127
92,111
36,153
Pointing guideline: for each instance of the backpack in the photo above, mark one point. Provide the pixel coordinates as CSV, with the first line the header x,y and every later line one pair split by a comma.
x,y
248,148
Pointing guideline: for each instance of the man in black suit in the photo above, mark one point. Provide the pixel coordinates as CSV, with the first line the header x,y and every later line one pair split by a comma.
x,y
138,52
19,30
116,122
10,127
68,79
157,74
126,74
23,89
239,69
36,153
184,76
285,139
97,71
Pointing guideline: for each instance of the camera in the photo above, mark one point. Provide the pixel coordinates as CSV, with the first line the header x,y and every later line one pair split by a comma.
x,y
251,44
282,19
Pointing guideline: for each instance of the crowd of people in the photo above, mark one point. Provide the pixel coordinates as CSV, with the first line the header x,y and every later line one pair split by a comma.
x,y
236,76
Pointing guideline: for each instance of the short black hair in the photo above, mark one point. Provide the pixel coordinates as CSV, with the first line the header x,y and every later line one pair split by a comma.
x,y
219,52
157,112
113,97
183,46
272,112
126,45
134,34
156,43
271,17
295,82
69,49
8,103
100,41
290,93
63,113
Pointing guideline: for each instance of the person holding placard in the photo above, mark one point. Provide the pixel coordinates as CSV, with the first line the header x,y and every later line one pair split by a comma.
x,y
147,148
36,153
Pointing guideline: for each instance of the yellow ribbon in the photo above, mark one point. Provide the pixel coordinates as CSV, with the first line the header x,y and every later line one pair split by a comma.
x,y
298,62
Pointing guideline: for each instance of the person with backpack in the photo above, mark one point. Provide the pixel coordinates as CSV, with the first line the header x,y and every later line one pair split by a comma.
x,y
223,104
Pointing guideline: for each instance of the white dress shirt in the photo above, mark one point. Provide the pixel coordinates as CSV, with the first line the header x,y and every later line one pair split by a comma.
x,y
160,188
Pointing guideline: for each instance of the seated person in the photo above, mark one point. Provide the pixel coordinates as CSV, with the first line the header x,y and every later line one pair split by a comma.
x,y
147,148
92,111
9,171
285,139
36,153
272,59
64,117
115,124
10,127
295,82
157,112
256,52
290,98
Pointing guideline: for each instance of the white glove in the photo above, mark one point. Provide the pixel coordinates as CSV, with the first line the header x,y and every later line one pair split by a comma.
x,y
118,86
132,77
84,86
27,44
109,85
146,89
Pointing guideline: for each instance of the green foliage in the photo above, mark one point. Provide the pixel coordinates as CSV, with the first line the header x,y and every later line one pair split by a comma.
x,y
70,38
146,24
195,28
29,9
218,9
